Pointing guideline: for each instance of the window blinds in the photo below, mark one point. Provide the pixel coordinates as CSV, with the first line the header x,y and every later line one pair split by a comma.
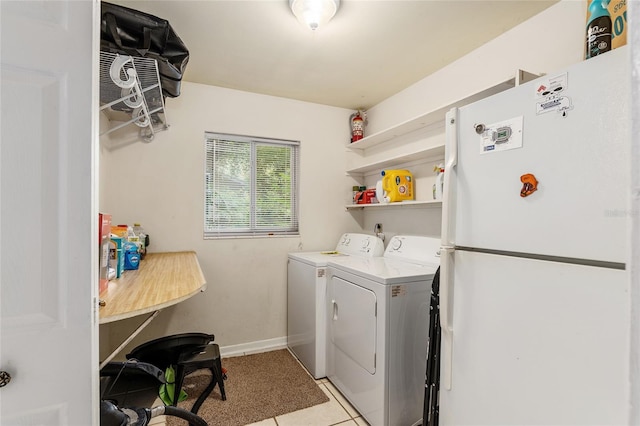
x,y
251,186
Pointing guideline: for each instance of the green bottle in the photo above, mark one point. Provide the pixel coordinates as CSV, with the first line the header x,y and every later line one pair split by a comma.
x,y
598,29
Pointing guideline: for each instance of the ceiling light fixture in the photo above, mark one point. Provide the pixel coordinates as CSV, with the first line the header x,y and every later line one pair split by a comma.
x,y
314,13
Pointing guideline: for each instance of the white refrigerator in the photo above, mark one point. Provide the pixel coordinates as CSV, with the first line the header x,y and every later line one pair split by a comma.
x,y
534,278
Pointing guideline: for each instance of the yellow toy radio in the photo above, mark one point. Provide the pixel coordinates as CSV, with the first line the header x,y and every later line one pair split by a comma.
x,y
396,185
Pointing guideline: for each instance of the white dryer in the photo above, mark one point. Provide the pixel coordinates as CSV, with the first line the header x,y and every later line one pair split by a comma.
x,y
378,326
306,297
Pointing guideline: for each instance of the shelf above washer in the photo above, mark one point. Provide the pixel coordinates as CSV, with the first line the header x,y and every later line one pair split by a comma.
x,y
423,153
400,204
408,134
436,117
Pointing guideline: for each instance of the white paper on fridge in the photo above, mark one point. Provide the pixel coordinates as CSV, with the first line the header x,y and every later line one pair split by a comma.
x,y
550,95
501,136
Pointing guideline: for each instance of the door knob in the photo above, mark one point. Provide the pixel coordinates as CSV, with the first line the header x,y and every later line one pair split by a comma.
x,y
5,378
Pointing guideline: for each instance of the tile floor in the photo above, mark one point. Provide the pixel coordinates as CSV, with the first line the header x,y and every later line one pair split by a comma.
x,y
337,411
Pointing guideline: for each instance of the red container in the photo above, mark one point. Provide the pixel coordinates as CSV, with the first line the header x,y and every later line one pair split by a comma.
x,y
366,197
104,230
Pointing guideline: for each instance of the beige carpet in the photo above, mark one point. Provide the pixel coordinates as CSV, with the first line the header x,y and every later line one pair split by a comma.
x,y
258,387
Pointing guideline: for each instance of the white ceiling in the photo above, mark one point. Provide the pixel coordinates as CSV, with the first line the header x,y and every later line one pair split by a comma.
x,y
369,51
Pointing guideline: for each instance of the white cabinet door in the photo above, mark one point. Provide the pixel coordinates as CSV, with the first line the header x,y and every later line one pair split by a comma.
x,y
48,241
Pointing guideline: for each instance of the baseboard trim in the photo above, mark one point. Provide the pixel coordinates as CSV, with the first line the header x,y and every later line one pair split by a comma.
x,y
254,347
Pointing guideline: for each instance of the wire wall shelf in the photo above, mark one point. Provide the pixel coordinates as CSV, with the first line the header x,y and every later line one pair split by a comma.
x,y
130,93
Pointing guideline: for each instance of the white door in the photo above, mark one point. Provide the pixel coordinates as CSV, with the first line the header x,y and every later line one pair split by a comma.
x,y
535,343
48,215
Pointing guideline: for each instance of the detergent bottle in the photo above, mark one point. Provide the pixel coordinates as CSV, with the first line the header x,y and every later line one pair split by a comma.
x,y
397,185
599,34
380,195
438,187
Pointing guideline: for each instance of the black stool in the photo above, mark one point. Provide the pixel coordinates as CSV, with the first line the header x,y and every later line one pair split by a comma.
x,y
187,352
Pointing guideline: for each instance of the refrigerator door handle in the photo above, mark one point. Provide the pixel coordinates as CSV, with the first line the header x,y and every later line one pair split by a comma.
x,y
451,160
446,303
452,142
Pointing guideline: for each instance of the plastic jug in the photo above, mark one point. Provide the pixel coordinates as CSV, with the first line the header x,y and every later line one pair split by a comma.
x,y
599,30
438,187
397,185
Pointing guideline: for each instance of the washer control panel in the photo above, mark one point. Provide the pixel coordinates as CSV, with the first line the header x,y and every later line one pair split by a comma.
x,y
360,245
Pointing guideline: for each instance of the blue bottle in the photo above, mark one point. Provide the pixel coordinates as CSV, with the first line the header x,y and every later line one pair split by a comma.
x,y
598,29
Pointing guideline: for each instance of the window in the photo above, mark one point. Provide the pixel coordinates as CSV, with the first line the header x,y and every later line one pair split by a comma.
x,y
251,186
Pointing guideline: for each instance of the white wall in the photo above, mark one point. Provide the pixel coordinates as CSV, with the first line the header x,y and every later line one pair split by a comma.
x,y
161,185
550,40
105,141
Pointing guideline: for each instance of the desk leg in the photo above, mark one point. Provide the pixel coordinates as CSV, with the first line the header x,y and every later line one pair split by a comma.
x,y
130,338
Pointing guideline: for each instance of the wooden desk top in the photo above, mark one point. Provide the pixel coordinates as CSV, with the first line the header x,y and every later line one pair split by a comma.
x,y
162,280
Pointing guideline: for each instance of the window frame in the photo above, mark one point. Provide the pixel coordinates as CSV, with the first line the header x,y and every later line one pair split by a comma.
x,y
253,230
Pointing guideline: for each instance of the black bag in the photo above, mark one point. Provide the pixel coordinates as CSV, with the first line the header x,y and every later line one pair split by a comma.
x,y
131,32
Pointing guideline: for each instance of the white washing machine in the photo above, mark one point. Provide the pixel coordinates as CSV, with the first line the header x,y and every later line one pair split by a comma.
x,y
378,325
306,297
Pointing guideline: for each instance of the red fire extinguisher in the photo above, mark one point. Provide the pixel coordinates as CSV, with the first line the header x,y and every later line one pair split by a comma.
x,y
357,125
